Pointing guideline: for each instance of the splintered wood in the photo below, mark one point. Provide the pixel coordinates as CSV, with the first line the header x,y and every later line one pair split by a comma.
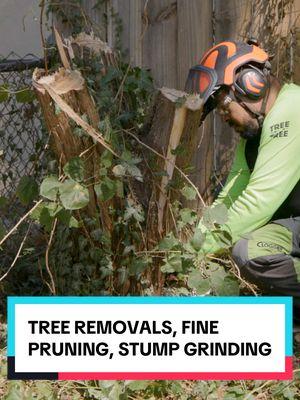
x,y
175,121
68,108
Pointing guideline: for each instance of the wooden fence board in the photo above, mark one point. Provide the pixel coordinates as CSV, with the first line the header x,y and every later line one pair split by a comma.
x,y
96,11
194,34
169,36
160,41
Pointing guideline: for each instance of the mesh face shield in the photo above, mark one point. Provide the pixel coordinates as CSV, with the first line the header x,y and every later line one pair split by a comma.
x,y
202,80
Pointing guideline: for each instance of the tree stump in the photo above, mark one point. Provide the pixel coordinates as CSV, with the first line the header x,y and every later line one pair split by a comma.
x,y
174,121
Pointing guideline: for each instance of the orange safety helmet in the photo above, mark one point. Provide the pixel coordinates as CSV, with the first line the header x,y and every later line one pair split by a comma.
x,y
221,65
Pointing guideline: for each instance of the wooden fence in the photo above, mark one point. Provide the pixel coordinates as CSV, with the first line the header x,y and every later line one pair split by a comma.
x,y
169,36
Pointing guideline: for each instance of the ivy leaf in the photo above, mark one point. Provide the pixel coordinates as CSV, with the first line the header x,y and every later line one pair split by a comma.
x,y
129,163
168,242
25,96
175,261
129,158
171,264
73,195
215,215
197,282
67,218
204,287
187,216
138,265
118,170
217,276
46,219
197,239
49,187
106,189
138,385
53,208
179,150
106,159
35,214
74,169
4,93
78,131
189,192
134,171
194,279
224,238
27,189
133,211
220,214
207,219
229,287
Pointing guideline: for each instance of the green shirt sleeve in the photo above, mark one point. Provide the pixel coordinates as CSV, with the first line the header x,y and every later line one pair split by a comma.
x,y
277,167
237,179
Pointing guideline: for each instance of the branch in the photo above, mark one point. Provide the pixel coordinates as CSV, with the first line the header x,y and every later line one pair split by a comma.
x,y
20,222
52,286
175,166
17,255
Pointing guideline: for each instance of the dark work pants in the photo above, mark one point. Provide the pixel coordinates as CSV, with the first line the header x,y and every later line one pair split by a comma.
x,y
270,258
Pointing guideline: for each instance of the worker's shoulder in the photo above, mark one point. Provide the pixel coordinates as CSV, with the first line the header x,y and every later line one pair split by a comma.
x,y
283,120
287,100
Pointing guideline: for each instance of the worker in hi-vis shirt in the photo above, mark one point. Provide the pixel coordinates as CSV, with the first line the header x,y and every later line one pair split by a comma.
x,y
262,191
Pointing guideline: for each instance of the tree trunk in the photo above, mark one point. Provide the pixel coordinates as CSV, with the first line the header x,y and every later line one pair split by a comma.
x,y
174,122
66,144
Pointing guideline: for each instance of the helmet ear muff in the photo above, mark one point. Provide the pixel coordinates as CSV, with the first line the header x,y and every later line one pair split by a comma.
x,y
251,83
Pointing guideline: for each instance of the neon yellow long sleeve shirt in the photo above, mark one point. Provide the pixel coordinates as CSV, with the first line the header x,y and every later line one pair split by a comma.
x,y
253,198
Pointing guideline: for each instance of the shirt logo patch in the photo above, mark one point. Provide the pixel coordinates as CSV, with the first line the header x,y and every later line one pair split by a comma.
x,y
280,130
271,246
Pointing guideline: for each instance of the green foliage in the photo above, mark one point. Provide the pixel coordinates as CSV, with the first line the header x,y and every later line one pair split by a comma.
x,y
49,187
188,192
4,93
197,240
107,189
27,190
86,264
215,215
25,96
74,169
73,196
151,390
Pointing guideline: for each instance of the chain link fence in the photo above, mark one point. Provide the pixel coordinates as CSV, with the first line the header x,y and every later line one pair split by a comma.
x,y
22,137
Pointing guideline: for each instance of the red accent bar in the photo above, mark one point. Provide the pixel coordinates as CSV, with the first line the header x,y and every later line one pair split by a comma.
x,y
286,375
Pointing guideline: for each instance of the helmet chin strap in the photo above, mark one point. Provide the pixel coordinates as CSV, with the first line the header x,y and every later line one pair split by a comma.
x,y
260,115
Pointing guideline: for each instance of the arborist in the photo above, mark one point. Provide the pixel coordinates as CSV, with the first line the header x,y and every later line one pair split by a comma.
x,y
262,191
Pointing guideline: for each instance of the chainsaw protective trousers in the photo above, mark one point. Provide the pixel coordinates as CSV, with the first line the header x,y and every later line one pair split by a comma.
x,y
270,258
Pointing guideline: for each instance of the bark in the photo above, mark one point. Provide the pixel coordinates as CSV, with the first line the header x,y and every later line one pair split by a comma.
x,y
174,121
65,143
